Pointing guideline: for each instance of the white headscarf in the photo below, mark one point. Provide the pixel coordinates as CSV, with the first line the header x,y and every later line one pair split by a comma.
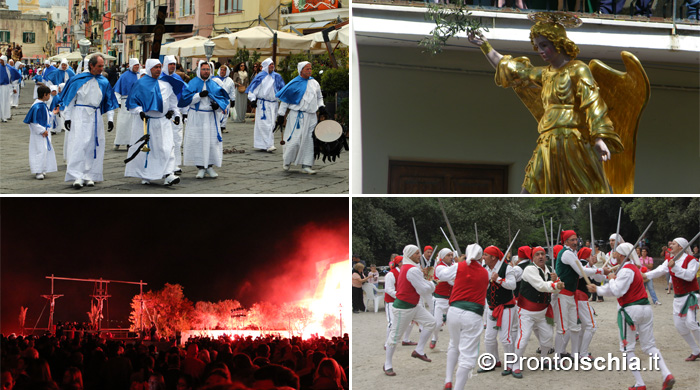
x,y
620,240
301,66
228,73
474,252
47,63
444,252
683,242
627,249
408,251
53,63
142,72
150,63
4,59
266,64
64,61
54,88
199,67
168,60
11,62
132,62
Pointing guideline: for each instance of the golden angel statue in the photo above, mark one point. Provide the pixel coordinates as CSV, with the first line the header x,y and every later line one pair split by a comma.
x,y
585,112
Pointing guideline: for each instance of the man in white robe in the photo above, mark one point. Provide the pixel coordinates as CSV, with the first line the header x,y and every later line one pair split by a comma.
x,y
302,96
85,98
159,161
203,99
14,97
124,117
261,92
59,78
7,76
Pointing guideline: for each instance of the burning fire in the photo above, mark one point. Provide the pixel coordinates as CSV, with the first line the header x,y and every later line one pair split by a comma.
x,y
328,300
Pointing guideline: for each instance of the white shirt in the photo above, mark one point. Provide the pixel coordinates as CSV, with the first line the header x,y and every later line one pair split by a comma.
x,y
415,276
531,275
617,287
390,284
687,274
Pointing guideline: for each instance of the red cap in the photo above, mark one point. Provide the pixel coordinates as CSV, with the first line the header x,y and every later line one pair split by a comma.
x,y
397,261
566,234
537,249
494,251
427,248
557,248
584,253
525,252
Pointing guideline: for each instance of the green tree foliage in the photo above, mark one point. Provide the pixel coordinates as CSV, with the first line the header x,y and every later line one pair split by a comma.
x,y
382,226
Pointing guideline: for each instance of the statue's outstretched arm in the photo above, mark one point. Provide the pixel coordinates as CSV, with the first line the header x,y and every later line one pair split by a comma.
x,y
492,55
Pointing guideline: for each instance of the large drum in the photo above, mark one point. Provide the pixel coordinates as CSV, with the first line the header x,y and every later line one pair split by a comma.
x,y
329,140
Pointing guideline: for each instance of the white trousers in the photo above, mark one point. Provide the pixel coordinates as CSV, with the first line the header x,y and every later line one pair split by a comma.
x,y
643,319
567,325
687,326
504,335
527,322
440,306
402,319
465,331
585,314
389,319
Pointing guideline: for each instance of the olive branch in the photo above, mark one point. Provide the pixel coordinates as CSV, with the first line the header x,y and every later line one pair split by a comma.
x,y
449,21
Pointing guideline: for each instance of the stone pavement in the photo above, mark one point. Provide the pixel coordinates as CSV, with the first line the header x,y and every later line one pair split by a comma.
x,y
252,172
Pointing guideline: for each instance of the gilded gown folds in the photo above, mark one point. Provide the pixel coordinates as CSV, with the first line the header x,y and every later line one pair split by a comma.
x,y
571,110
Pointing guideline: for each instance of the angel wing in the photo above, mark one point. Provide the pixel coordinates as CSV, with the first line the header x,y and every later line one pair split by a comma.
x,y
626,94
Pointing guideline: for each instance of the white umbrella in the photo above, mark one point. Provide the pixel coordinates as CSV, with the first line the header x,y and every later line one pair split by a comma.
x,y
341,35
76,56
190,47
260,38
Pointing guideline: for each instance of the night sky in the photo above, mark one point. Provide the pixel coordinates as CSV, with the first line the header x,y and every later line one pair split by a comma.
x,y
248,249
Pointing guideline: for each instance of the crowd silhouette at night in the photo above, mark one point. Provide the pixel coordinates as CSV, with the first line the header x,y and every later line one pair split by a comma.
x,y
88,362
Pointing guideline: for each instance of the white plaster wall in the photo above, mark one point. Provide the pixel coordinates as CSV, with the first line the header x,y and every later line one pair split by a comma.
x,y
448,108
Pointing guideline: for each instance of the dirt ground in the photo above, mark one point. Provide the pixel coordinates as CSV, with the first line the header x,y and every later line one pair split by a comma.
x,y
369,330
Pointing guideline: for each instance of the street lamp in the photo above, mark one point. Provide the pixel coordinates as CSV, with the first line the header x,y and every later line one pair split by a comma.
x,y
84,45
209,49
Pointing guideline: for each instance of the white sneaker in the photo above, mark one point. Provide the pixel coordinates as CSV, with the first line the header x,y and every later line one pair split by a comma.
x,y
285,167
78,184
212,173
145,182
40,176
308,170
90,183
171,179
271,149
200,174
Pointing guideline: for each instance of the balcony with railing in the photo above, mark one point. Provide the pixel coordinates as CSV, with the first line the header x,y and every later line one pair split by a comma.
x,y
664,36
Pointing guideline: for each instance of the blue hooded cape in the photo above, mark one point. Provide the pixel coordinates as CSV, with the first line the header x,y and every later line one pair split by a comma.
x,y
14,75
146,93
58,76
48,70
125,83
38,78
195,86
294,91
38,114
55,102
279,81
181,84
109,101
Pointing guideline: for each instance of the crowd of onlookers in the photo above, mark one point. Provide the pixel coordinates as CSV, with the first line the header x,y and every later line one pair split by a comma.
x,y
92,362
